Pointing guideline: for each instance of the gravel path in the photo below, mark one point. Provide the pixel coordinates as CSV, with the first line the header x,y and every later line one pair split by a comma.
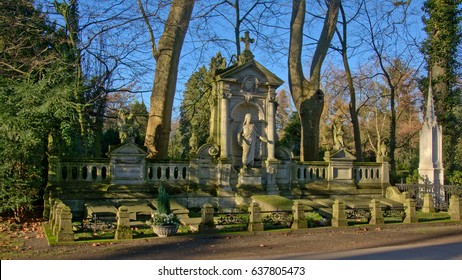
x,y
316,243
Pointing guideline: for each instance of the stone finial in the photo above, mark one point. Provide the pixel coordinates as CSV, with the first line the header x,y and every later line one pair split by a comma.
x,y
123,224
428,205
455,208
376,213
65,232
246,55
338,214
299,216
207,212
255,223
247,40
409,206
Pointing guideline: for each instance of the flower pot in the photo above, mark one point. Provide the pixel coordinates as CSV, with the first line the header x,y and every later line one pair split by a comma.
x,y
165,230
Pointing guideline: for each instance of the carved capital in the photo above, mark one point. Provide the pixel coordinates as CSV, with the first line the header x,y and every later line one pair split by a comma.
x,y
226,94
271,94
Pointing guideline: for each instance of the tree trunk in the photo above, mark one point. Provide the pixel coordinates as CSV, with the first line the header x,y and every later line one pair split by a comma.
x,y
307,96
163,92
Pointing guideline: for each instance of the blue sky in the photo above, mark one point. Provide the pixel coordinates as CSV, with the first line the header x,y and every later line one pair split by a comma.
x,y
129,39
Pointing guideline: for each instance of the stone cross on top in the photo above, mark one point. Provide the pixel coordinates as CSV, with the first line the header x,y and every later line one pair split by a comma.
x,y
247,40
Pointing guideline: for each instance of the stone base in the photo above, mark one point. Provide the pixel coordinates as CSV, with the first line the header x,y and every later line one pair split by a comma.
x,y
339,223
377,221
63,237
299,224
249,177
255,227
123,234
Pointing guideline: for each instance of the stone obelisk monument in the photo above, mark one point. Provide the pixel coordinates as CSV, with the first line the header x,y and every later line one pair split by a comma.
x,y
431,168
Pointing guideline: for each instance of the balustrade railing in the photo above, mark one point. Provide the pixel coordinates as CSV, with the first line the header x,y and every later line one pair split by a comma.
x,y
167,171
311,172
89,171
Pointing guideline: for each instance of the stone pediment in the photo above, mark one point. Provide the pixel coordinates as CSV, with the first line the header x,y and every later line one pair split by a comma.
x,y
128,149
254,68
342,155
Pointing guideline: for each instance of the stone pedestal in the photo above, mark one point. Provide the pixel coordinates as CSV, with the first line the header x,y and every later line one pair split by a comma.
x,y
255,223
338,214
409,206
271,174
428,206
299,216
123,224
249,177
65,232
376,213
455,208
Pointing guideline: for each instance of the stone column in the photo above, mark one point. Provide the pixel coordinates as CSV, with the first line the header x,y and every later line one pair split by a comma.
x,y
271,129
299,216
409,205
65,232
224,137
428,206
123,224
376,213
455,208
338,214
255,223
207,215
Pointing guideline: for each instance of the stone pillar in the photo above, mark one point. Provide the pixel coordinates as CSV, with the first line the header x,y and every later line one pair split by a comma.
x,y
123,224
224,137
65,232
338,214
52,219
299,216
207,215
428,206
376,213
271,129
255,223
455,208
409,205
57,217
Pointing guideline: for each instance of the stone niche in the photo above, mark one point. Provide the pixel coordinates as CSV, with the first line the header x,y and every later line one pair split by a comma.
x,y
128,163
248,88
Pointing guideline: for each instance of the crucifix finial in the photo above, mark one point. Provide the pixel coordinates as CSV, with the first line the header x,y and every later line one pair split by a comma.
x,y
247,40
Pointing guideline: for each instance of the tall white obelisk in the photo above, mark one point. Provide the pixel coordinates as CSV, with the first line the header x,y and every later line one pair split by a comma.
x,y
431,168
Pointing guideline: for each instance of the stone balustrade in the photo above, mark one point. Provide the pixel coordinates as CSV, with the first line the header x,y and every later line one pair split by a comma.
x,y
170,171
80,170
310,171
367,173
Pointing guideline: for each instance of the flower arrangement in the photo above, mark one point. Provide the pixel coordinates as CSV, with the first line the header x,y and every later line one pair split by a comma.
x,y
164,222
162,219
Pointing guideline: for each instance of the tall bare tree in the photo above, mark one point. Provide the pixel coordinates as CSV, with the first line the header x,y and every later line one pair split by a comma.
x,y
307,95
167,56
343,49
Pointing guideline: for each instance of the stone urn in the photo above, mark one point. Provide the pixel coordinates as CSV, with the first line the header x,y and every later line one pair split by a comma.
x,y
165,230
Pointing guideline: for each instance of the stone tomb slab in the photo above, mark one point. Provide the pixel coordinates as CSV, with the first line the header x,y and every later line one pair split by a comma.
x,y
175,207
100,210
138,210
